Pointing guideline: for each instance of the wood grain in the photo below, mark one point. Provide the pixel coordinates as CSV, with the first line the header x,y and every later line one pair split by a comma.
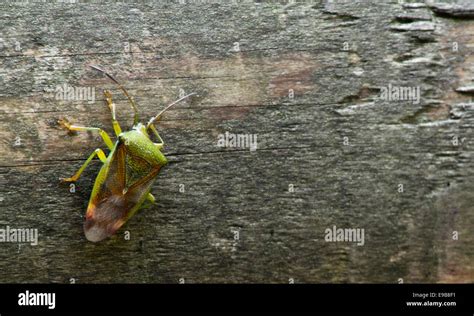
x,y
343,148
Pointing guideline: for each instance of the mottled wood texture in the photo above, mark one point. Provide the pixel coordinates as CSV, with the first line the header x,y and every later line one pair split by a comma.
x,y
343,148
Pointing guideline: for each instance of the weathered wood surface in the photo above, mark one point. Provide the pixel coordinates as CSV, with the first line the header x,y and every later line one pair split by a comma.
x,y
345,150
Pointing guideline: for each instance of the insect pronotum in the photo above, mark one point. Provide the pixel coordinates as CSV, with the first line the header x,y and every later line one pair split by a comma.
x,y
128,172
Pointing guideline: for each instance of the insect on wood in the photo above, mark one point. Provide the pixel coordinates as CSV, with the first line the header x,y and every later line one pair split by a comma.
x,y
128,172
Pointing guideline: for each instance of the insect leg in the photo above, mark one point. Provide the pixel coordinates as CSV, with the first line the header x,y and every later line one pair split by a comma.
x,y
102,133
161,142
150,198
111,104
98,152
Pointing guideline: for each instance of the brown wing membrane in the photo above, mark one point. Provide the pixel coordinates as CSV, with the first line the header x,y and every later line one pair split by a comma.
x,y
119,197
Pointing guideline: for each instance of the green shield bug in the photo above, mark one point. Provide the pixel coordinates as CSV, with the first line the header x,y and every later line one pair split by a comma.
x,y
127,173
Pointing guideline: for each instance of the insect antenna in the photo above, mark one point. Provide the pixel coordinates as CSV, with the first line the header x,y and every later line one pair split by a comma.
x,y
158,116
134,107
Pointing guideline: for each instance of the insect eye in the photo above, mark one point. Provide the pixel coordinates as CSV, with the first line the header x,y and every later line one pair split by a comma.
x,y
123,140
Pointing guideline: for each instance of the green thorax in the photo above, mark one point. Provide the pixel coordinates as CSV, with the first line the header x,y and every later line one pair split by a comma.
x,y
139,145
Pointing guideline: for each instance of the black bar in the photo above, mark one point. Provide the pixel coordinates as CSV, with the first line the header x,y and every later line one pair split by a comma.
x,y
382,299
